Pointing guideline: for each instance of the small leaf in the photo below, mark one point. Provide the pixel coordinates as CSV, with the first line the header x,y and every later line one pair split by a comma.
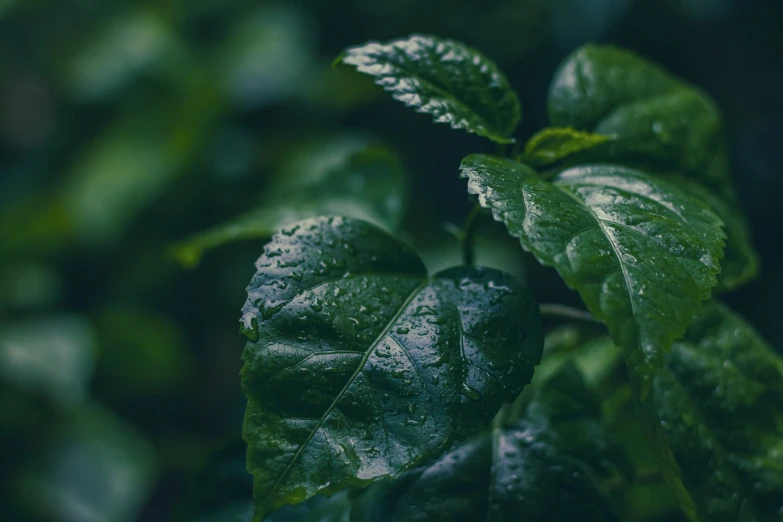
x,y
538,469
740,263
653,116
641,253
719,405
364,366
339,176
456,84
554,144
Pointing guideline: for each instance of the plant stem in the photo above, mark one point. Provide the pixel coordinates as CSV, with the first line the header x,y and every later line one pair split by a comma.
x,y
469,235
559,310
500,149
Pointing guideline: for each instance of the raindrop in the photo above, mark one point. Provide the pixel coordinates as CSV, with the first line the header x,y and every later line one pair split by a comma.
x,y
248,326
470,393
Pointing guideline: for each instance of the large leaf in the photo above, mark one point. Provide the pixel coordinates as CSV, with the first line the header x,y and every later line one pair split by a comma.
x,y
719,407
359,366
343,176
536,469
652,116
456,84
641,253
741,261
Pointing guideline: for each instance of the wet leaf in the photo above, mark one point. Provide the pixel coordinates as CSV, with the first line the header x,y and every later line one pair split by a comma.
x,y
652,116
641,253
340,176
359,365
718,412
740,263
456,84
555,144
540,468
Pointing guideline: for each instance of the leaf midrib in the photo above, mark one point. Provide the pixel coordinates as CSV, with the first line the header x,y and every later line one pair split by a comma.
x,y
350,381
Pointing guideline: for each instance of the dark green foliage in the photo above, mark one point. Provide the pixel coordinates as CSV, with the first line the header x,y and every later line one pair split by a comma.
x,y
359,365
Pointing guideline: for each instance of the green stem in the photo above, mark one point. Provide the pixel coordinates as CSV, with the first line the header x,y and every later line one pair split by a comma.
x,y
500,149
469,235
558,310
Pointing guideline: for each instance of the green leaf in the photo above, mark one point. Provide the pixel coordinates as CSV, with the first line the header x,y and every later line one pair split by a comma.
x,y
653,116
641,253
453,82
719,408
551,145
740,263
98,469
536,469
343,176
359,366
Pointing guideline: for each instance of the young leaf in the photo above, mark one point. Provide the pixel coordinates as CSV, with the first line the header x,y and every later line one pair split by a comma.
x,y
343,176
653,116
640,252
554,144
456,84
719,408
360,366
740,263
536,469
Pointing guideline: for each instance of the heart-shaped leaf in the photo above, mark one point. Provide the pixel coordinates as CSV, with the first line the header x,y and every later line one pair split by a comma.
x,y
456,84
640,252
359,365
652,116
538,469
343,175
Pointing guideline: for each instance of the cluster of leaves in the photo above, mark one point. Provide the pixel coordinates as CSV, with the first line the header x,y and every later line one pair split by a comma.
x,y
360,366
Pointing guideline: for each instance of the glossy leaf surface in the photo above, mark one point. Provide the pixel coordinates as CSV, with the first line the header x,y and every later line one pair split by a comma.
x,y
359,365
641,253
557,143
720,408
653,116
447,79
536,469
740,263
342,176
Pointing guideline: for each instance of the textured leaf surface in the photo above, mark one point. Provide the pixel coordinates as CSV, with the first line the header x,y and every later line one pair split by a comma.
x,y
740,262
653,116
641,253
536,469
359,366
557,143
720,407
341,176
456,84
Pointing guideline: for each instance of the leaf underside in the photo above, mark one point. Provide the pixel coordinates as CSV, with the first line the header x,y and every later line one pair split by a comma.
x,y
359,365
447,79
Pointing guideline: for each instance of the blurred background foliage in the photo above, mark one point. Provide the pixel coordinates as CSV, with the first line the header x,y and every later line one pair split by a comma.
x,y
128,127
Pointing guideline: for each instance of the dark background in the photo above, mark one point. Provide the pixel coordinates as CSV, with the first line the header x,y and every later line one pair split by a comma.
x,y
126,126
